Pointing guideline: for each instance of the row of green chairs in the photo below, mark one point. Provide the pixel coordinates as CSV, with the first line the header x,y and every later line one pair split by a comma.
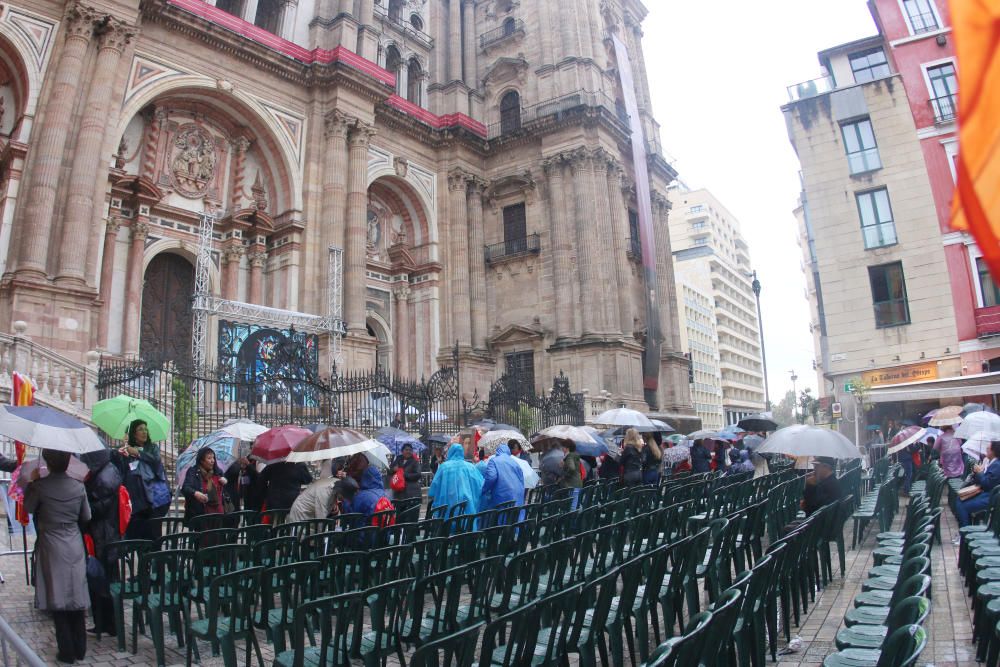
x,y
880,504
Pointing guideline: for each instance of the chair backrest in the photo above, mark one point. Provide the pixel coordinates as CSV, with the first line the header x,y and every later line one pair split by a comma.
x,y
386,605
167,525
253,533
429,556
454,650
128,555
916,550
276,551
290,585
214,537
918,584
168,575
523,573
596,598
557,614
400,533
211,562
389,563
342,572
233,596
211,522
691,647
339,621
458,509
903,647
304,528
724,615
520,627
911,610
313,546
408,509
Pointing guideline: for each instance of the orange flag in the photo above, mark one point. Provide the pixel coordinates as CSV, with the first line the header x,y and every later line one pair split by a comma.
x,y
976,205
22,393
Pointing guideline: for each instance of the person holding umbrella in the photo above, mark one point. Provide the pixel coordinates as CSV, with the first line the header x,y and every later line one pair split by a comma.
x,y
143,475
102,483
571,478
410,466
59,505
632,458
242,487
203,486
822,485
986,477
701,457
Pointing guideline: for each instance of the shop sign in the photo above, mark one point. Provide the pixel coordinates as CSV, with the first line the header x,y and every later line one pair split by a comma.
x,y
900,374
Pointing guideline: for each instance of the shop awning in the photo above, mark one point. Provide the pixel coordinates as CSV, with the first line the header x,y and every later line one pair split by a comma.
x,y
981,384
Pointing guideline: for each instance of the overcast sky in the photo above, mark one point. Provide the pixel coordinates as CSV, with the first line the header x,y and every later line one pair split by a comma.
x,y
717,72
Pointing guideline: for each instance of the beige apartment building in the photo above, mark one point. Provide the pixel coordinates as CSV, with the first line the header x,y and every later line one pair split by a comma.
x,y
405,181
711,256
699,337
877,279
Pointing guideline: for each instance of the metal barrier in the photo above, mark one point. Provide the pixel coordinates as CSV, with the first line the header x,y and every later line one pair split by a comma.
x,y
23,655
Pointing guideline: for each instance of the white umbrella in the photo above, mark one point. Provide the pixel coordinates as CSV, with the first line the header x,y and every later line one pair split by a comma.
x,y
704,433
802,440
930,432
564,432
623,417
910,435
493,439
377,453
987,423
949,415
977,445
530,476
244,429
48,428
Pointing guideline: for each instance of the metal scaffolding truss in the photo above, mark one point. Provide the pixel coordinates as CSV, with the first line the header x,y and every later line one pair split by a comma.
x,y
205,305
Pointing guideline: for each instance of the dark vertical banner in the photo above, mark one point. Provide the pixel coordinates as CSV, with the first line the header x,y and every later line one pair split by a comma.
x,y
651,358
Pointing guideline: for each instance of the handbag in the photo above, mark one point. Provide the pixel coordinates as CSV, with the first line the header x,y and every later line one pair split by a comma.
x,y
971,491
397,482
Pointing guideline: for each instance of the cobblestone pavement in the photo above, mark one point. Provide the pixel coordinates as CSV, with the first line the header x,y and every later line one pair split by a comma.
x,y
949,625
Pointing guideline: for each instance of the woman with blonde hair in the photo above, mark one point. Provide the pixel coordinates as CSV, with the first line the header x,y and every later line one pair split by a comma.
x,y
651,456
632,458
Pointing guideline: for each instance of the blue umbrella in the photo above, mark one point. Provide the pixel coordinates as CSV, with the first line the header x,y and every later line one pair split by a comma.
x,y
225,446
439,438
395,438
594,449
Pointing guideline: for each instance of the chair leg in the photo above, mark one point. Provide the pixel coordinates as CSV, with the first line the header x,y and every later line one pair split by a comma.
x,y
156,630
119,607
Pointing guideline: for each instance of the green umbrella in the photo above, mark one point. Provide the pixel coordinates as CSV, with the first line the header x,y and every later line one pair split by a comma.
x,y
114,415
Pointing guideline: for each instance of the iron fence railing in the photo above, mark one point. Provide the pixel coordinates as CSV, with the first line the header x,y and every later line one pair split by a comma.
x,y
508,29
404,27
11,642
526,245
944,108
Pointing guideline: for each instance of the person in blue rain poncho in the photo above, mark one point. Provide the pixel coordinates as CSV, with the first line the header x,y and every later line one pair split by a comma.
x,y
456,480
503,480
372,490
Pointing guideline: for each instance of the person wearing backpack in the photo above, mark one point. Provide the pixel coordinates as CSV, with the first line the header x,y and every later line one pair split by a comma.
x,y
372,496
102,485
146,480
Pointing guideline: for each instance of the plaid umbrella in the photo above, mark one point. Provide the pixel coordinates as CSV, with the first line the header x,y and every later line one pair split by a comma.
x,y
493,439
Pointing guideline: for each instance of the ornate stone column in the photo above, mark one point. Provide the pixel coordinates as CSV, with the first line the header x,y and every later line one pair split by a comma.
x,y
469,43
258,258
666,288
231,258
357,227
562,243
401,333
586,248
133,288
240,147
151,140
477,263
620,232
607,257
458,257
286,23
87,160
454,40
36,223
336,126
367,33
111,228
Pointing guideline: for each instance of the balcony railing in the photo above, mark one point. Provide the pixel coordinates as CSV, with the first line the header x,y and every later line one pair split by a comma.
x,y
811,88
552,107
511,248
404,27
944,109
508,29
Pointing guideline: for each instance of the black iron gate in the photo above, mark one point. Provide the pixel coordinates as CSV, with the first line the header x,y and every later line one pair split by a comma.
x,y
512,400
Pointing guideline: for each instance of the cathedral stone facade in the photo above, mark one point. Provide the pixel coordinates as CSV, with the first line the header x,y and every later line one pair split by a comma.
x,y
430,175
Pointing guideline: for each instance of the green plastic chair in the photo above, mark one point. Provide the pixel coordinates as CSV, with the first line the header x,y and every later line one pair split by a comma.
x,y
213,537
165,580
874,614
892,570
209,522
304,528
316,545
174,541
458,597
253,533
556,615
274,517
920,565
909,611
386,611
388,564
244,518
166,525
725,612
690,647
901,649
509,639
587,636
429,556
342,572
283,589
643,611
209,563
125,584
454,650
230,606
338,621
275,551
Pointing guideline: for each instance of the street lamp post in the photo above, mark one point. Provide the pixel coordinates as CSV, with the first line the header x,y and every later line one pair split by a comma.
x,y
755,285
795,397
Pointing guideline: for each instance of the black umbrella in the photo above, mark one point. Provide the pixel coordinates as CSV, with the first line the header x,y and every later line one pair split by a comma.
x,y
439,438
757,423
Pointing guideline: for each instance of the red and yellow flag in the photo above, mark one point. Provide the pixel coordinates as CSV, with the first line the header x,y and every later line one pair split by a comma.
x,y
976,205
22,392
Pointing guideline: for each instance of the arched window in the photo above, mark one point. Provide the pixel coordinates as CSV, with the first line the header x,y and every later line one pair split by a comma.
x,y
510,112
234,7
414,74
508,27
417,22
268,15
394,7
394,63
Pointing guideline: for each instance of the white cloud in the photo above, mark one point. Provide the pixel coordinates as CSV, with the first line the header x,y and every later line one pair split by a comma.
x,y
717,73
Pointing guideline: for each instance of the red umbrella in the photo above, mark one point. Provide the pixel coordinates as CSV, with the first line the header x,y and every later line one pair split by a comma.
x,y
274,445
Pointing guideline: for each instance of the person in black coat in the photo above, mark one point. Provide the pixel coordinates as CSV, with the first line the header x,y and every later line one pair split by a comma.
x,y
411,473
102,485
701,457
242,488
632,458
822,487
281,483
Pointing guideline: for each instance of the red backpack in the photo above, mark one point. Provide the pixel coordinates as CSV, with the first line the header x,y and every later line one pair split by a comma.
x,y
382,505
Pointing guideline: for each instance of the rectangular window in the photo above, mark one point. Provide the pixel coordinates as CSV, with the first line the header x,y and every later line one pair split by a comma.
x,y
990,292
869,65
876,218
920,15
697,208
634,244
515,230
859,143
943,87
521,367
889,295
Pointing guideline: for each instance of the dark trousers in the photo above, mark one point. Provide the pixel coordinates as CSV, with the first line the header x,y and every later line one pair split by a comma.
x,y
71,633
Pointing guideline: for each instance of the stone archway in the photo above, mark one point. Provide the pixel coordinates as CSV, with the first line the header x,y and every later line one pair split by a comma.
x,y
378,330
166,317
